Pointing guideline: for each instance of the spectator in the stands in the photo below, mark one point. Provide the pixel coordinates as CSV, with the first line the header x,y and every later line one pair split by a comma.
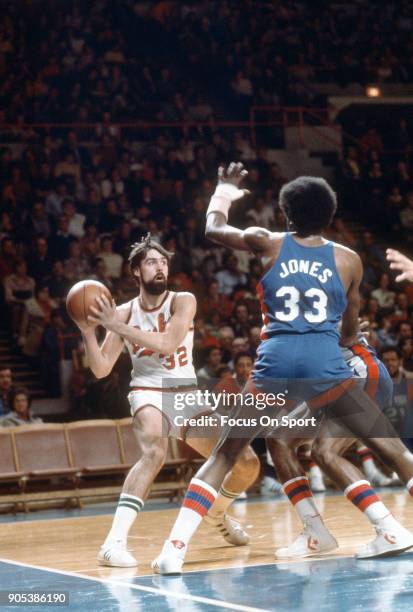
x,y
18,288
8,257
58,283
112,260
6,390
207,374
20,413
261,214
76,266
235,382
39,223
100,273
230,277
383,294
35,317
76,220
59,241
406,217
40,262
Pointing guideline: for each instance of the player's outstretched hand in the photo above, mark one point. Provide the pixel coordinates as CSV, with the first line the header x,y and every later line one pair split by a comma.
x,y
402,263
233,175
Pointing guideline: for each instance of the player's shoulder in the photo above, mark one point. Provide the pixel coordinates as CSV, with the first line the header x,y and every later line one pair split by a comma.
x,y
182,297
260,239
346,251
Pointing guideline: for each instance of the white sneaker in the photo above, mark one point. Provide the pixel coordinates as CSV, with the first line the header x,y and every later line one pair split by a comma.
x,y
392,539
316,480
315,539
171,558
230,529
270,485
115,554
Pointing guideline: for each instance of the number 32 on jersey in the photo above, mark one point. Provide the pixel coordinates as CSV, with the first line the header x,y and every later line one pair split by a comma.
x,y
291,310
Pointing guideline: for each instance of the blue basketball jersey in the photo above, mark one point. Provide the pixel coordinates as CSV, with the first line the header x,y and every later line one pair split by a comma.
x,y
302,292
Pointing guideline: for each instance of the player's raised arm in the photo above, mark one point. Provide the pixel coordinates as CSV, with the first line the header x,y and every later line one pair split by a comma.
x,y
165,342
228,190
402,263
350,319
102,358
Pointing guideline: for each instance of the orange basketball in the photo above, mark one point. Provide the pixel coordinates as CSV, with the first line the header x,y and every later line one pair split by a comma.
x,y
81,297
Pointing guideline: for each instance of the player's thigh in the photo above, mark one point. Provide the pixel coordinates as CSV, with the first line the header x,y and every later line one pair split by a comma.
x,y
203,446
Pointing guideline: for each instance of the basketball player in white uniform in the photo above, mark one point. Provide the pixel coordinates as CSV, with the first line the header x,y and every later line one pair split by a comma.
x,y
157,329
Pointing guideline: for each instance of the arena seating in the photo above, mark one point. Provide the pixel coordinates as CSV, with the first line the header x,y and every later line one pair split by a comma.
x,y
72,461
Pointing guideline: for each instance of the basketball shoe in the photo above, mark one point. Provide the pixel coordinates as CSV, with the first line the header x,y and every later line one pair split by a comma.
x,y
315,539
391,539
115,554
229,528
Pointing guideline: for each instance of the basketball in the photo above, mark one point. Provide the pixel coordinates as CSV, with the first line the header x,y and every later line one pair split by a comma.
x,y
81,297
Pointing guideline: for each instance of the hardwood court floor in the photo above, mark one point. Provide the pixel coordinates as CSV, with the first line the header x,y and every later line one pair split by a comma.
x,y
71,544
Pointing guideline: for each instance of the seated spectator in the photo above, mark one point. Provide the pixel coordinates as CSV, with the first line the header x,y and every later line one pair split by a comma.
x,y
20,413
35,317
382,294
18,288
60,240
230,276
241,321
235,382
126,287
226,338
113,261
8,257
207,374
40,261
39,222
99,273
58,283
75,219
261,214
6,390
76,266
56,344
406,351
215,302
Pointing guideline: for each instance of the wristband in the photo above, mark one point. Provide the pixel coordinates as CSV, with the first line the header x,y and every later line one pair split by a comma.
x,y
222,198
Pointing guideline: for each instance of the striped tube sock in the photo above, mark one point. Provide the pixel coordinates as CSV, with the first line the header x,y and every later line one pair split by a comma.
x,y
363,496
409,486
198,500
128,508
299,493
223,501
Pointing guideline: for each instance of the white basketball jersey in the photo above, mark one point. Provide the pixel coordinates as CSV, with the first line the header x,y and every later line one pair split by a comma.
x,y
151,369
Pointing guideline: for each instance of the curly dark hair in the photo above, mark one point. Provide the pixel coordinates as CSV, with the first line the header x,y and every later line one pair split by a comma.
x,y
309,204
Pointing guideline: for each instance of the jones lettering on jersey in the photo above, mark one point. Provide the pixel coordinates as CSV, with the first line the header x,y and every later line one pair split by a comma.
x,y
304,266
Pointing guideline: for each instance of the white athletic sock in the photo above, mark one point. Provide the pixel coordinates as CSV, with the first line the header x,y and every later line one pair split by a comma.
x,y
221,504
128,509
299,493
362,495
198,500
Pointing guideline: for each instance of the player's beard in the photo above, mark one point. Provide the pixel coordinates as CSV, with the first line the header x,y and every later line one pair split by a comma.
x,y
154,287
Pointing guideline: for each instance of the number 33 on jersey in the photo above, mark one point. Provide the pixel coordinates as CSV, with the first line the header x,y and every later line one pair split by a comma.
x,y
302,292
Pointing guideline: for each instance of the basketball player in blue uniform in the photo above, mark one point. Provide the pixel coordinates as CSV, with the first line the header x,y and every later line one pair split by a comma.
x,y
309,285
315,539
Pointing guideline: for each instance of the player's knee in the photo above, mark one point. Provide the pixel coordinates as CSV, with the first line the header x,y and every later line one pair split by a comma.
x,y
248,464
154,452
322,454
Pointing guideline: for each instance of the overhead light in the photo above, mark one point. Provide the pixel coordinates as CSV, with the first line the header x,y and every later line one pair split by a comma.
x,y
372,91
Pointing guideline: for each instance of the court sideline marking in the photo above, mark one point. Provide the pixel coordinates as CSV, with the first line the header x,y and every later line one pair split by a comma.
x,y
206,600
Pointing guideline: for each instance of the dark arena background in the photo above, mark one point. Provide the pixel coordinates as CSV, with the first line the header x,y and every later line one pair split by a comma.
x,y
114,118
